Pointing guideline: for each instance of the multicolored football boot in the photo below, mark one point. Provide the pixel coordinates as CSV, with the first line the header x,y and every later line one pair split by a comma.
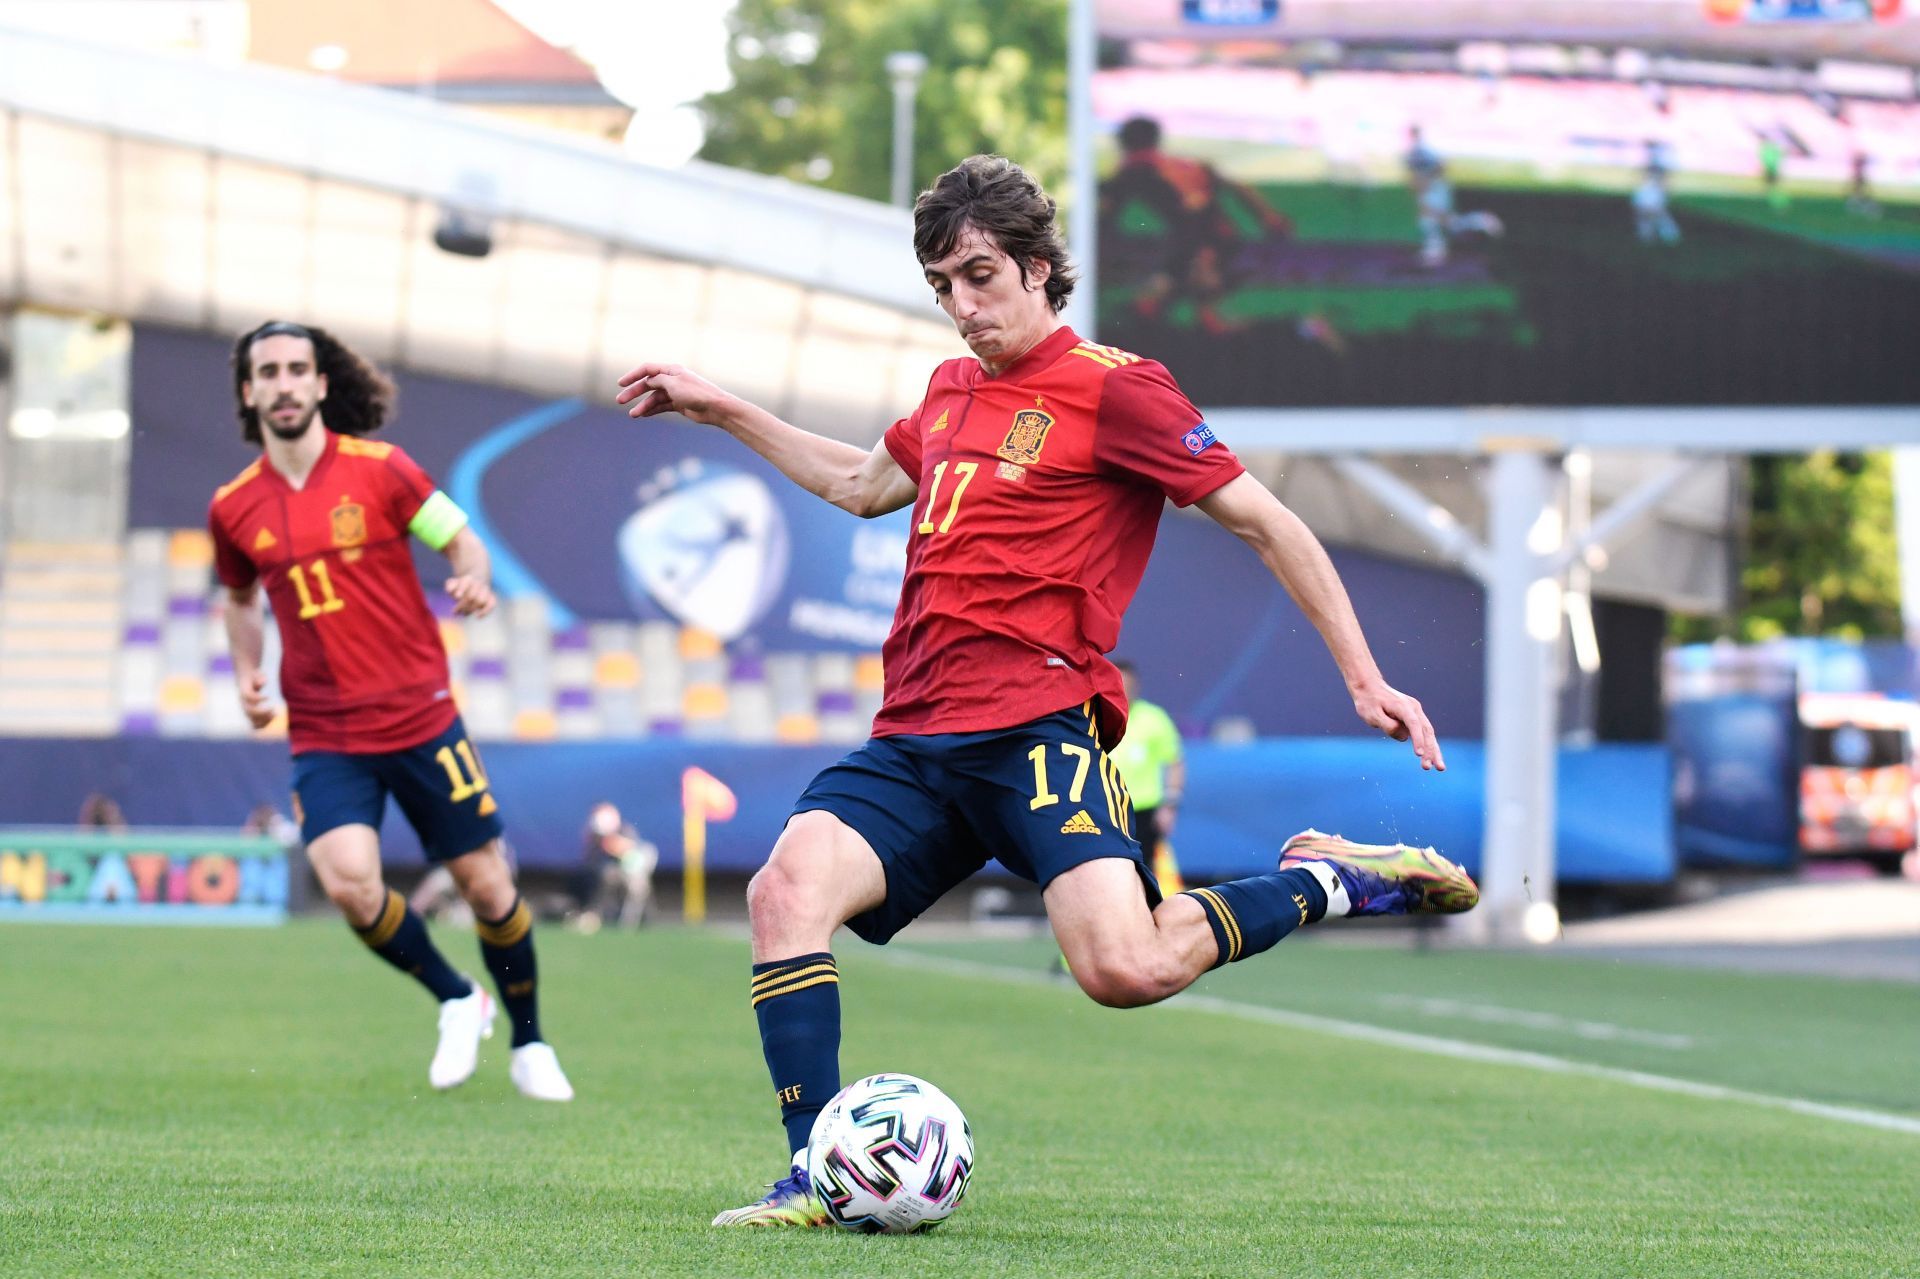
x,y
790,1201
1386,879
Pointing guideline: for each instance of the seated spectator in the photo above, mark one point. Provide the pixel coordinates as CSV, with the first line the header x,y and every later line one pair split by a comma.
x,y
99,812
270,822
437,897
615,879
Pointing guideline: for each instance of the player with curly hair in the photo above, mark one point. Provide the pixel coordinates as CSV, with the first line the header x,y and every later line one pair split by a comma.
x,y
322,519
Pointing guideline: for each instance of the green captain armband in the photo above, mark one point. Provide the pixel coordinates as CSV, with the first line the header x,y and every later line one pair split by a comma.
x,y
437,520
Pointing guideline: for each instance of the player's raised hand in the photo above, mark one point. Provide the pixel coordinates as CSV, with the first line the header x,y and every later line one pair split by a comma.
x,y
1400,717
653,389
471,596
259,708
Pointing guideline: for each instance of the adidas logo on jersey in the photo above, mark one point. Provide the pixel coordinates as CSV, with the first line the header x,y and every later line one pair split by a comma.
x,y
939,423
264,541
1080,824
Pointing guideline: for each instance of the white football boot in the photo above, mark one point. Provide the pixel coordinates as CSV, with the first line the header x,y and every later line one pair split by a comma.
x,y
536,1073
463,1024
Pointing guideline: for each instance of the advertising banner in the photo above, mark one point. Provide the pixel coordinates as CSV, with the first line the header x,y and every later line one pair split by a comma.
x,y
1242,801
179,878
673,521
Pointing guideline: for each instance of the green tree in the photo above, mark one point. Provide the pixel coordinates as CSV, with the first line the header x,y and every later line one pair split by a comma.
x,y
1821,556
811,99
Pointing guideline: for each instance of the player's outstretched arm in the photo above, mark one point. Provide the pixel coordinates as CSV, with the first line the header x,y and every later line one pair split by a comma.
x,y
245,618
1289,549
471,585
864,483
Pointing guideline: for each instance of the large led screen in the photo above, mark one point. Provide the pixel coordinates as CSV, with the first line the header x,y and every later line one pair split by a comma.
x,y
1349,203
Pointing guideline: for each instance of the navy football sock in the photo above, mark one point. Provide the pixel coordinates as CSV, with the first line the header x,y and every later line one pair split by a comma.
x,y
1251,915
797,1002
507,946
399,936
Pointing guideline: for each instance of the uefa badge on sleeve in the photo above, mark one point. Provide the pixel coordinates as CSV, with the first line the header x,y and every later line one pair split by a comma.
x,y
1199,439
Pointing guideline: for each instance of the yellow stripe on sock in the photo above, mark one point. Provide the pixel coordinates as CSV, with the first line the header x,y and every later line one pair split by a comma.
x,y
517,924
783,974
773,992
381,931
1234,935
787,974
1227,922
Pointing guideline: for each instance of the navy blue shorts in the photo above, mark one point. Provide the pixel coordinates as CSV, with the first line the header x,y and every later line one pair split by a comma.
x,y
1042,797
440,785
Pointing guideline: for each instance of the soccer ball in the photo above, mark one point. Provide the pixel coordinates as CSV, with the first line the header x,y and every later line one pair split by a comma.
x,y
890,1154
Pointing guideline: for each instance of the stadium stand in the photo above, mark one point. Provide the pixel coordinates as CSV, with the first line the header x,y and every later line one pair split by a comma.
x,y
1361,116
98,639
60,617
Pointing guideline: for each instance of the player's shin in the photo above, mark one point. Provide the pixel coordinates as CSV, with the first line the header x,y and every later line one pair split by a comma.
x,y
506,944
399,936
1250,915
797,1003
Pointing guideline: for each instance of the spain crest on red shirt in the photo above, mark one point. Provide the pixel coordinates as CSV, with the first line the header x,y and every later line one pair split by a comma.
x,y
1027,436
349,523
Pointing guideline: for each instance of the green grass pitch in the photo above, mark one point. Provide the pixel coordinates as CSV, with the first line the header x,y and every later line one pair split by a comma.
x,y
183,1102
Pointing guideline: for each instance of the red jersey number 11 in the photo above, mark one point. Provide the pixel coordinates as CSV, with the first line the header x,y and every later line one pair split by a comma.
x,y
328,601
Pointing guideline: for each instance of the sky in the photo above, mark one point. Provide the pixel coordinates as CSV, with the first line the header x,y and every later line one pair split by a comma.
x,y
654,55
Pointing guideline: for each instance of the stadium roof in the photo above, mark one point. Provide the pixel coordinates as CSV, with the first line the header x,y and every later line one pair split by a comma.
x,y
170,190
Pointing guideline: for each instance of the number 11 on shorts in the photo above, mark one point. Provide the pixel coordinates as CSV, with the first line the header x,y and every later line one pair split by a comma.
x,y
465,785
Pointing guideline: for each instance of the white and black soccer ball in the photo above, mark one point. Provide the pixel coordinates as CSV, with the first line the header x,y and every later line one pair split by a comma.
x,y
890,1154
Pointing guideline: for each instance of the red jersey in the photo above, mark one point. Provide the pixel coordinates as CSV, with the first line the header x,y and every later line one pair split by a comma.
x,y
362,666
1040,494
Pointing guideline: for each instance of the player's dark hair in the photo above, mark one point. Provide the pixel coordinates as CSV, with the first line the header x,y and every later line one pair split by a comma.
x,y
996,197
360,398
1141,133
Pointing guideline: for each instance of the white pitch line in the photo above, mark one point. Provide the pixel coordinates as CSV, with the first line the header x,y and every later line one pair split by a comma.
x,y
1552,1023
1458,1049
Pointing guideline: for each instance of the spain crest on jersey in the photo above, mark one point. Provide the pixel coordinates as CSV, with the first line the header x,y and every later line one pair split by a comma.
x,y
349,523
1027,436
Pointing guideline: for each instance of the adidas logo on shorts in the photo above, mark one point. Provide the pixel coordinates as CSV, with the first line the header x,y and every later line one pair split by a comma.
x,y
1080,824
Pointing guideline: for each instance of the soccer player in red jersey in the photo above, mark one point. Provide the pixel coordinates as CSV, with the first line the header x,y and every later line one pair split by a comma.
x,y
1037,472
321,521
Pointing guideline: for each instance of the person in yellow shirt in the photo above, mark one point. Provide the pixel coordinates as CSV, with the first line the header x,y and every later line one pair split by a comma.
x,y
1155,771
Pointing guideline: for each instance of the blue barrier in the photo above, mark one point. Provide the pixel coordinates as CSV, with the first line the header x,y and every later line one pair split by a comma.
x,y
1241,802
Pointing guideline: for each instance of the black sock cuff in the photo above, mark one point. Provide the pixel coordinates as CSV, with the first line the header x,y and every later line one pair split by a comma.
x,y
1220,918
393,913
785,976
509,928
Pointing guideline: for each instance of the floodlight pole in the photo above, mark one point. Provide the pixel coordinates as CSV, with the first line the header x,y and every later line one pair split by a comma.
x,y
1083,186
906,67
1525,611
